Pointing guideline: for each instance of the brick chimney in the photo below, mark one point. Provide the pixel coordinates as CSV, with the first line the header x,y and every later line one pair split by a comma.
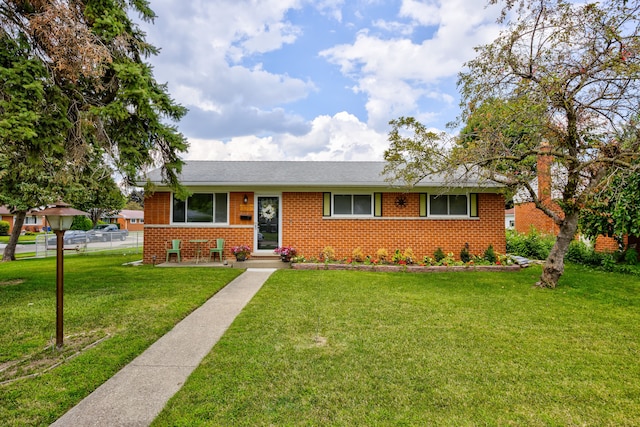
x,y
544,174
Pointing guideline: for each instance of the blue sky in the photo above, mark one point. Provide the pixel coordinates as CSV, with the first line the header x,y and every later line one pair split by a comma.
x,y
312,80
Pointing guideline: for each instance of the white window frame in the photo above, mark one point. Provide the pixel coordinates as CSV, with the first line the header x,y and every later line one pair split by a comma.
x,y
466,215
352,215
32,220
201,224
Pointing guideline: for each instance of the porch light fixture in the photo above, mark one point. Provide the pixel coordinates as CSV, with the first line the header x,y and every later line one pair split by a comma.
x,y
245,200
60,218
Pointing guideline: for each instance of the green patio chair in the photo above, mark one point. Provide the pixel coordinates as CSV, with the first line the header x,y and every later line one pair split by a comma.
x,y
174,247
219,249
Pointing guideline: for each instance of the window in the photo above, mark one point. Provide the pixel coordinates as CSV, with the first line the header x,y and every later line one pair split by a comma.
x,y
201,208
448,205
352,204
31,220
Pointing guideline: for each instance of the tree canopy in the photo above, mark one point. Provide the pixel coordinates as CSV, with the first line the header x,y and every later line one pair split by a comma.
x,y
75,92
561,81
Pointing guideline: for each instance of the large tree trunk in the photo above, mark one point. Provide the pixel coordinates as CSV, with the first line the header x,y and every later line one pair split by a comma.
x,y
554,265
10,250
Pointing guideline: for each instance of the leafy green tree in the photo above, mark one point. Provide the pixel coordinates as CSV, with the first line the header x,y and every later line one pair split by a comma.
x,y
613,209
32,134
97,193
75,90
562,81
136,196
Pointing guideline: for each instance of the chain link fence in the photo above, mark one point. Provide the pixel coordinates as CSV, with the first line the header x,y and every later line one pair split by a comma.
x,y
46,244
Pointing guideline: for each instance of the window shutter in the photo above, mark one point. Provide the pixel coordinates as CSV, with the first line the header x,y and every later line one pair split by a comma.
x,y
423,204
377,204
326,204
473,205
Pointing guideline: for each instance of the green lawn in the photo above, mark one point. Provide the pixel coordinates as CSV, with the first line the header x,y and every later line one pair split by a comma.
x,y
23,240
459,349
119,309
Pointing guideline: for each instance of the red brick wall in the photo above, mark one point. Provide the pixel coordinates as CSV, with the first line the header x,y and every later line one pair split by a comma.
x,y
527,216
156,240
609,244
399,228
304,228
157,208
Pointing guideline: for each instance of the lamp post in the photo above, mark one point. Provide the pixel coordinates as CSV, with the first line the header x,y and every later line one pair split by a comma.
x,y
60,218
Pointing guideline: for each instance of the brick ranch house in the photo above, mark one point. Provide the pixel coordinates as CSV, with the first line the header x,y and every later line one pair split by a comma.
x,y
312,205
32,221
127,219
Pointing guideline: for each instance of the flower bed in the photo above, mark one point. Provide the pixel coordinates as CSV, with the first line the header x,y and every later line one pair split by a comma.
x,y
402,268
405,261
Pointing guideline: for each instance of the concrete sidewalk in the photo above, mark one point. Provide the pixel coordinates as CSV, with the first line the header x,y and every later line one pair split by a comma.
x,y
137,394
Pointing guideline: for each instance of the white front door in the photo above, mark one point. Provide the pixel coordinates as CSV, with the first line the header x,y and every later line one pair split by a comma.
x,y
267,236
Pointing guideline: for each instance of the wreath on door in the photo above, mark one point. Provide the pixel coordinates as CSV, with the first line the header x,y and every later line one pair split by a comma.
x,y
268,212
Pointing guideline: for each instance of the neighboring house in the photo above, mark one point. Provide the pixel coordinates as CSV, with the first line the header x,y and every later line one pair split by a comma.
x,y
510,219
527,215
32,222
127,220
312,205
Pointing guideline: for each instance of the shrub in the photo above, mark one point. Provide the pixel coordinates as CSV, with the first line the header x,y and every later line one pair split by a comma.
x,y
382,255
328,254
449,259
531,245
490,255
438,255
579,252
408,255
357,255
465,256
81,222
397,256
608,262
4,228
631,256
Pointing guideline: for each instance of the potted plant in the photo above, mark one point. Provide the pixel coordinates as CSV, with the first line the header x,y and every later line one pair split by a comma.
x,y
241,252
285,252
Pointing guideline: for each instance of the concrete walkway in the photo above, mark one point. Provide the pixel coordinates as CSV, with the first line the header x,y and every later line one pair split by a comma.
x,y
137,394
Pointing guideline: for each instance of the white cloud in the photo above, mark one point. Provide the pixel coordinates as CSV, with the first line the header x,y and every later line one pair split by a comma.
x,y
396,74
215,56
340,137
204,44
331,8
426,13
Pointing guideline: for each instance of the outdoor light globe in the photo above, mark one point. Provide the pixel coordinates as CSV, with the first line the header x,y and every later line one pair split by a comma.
x,y
60,216
58,222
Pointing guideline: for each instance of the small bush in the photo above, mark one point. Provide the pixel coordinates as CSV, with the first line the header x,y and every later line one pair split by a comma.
x,y
631,256
328,254
438,255
531,245
608,262
81,222
4,228
382,255
490,255
465,256
357,255
408,255
397,256
449,259
579,252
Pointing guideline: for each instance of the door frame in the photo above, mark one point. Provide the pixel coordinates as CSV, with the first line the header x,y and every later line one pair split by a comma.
x,y
257,217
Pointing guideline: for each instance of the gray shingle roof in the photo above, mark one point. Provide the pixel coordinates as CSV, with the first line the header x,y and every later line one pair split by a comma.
x,y
291,173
